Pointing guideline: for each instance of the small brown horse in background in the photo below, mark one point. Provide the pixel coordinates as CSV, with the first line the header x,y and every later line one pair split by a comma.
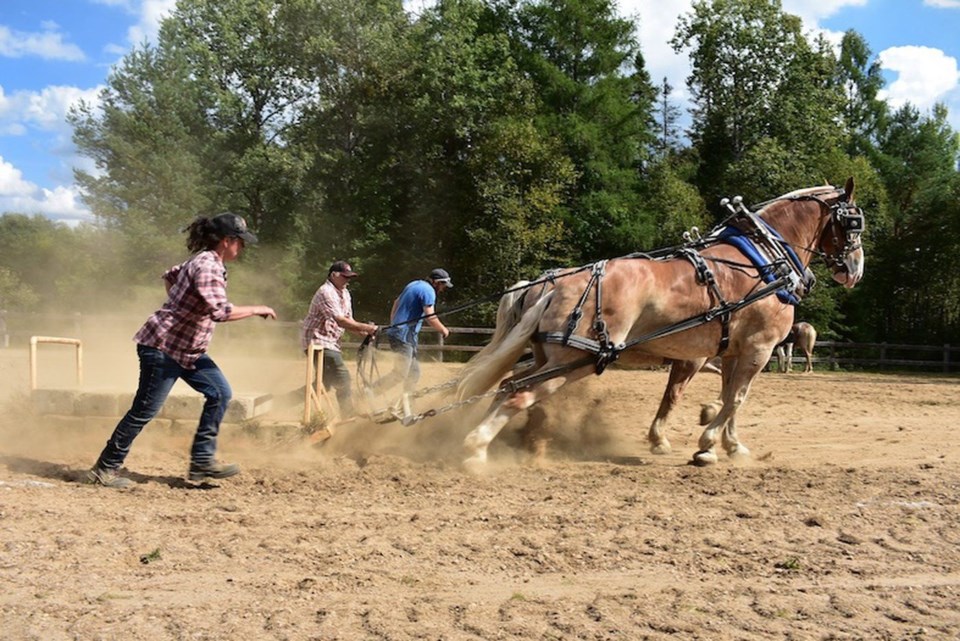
x,y
641,296
802,335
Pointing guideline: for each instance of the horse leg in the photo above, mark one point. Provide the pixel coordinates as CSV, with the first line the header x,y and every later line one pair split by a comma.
x,y
789,367
781,359
534,435
736,385
502,410
709,411
681,373
809,366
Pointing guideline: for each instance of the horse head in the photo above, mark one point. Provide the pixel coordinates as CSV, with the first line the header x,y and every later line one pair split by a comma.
x,y
833,232
841,242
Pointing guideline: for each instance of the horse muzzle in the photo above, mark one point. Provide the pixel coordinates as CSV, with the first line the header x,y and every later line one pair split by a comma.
x,y
850,271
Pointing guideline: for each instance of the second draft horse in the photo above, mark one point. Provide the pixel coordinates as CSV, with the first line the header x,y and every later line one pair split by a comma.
x,y
685,308
804,336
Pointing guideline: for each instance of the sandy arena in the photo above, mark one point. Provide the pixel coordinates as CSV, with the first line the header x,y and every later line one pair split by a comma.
x,y
845,524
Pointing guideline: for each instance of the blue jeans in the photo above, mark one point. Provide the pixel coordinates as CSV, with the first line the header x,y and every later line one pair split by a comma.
x,y
158,373
406,367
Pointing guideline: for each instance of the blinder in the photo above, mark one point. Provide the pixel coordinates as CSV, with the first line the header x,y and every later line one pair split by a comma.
x,y
848,218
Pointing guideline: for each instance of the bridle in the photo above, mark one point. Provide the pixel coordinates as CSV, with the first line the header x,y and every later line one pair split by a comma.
x,y
846,218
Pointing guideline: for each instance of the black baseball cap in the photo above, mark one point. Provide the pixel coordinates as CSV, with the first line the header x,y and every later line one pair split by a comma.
x,y
230,225
344,268
441,276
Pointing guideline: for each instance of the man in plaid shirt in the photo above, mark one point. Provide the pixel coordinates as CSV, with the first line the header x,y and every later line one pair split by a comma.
x,y
330,314
172,345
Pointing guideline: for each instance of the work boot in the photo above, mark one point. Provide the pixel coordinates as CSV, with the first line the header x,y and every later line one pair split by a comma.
x,y
107,478
212,470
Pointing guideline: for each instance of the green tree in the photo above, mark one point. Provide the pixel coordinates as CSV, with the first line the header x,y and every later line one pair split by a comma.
x,y
596,98
147,141
916,283
15,295
760,90
861,81
667,116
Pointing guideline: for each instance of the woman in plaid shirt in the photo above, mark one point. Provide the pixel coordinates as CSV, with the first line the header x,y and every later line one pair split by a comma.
x,y
172,344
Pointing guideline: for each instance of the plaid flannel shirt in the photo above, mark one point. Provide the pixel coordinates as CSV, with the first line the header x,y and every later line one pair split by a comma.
x,y
183,327
320,326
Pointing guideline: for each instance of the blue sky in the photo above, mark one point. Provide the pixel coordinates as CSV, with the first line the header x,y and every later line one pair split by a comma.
x,y
56,52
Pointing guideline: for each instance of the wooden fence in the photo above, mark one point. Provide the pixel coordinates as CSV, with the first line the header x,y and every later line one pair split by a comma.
x,y
17,328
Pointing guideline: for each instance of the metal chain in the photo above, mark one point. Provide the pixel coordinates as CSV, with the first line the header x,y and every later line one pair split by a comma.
x,y
413,419
436,388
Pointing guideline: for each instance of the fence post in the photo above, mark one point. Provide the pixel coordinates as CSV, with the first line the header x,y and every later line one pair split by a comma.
x,y
883,355
441,346
946,358
833,357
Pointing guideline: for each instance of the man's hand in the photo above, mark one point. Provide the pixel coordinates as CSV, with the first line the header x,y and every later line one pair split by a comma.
x,y
265,312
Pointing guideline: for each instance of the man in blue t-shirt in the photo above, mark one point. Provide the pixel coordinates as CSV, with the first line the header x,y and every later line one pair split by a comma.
x,y
414,305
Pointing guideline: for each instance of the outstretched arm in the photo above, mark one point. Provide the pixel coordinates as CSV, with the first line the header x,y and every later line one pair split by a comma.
x,y
355,326
246,311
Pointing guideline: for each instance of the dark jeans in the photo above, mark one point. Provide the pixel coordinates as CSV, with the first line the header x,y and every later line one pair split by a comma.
x,y
158,373
406,368
337,376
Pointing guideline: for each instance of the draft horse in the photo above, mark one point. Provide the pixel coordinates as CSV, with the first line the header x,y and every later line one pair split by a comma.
x,y
804,336
706,300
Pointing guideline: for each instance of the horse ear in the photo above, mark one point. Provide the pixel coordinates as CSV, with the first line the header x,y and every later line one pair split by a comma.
x,y
848,189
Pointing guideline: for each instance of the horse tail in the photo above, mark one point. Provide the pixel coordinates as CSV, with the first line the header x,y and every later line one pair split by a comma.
x,y
509,312
488,366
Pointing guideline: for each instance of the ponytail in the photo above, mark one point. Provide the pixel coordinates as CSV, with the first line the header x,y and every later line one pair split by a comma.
x,y
202,235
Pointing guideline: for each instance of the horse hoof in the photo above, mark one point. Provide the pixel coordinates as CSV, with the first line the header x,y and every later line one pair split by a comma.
x,y
661,449
475,464
739,453
704,458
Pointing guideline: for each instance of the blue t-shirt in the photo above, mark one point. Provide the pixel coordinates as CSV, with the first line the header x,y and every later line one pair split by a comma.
x,y
414,297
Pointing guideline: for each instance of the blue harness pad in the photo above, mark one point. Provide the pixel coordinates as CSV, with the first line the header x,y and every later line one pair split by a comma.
x,y
733,236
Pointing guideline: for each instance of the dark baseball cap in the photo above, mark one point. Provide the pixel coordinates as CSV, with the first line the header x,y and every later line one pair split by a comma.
x,y
441,276
230,225
344,268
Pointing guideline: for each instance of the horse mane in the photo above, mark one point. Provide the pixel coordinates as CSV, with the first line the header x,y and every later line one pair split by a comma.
x,y
799,193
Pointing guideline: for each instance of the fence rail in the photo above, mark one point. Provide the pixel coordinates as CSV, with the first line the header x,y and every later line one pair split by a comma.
x,y
17,328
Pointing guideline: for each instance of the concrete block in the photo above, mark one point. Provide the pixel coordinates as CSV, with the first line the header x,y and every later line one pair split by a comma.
x,y
54,401
245,407
182,426
59,422
182,407
102,424
98,404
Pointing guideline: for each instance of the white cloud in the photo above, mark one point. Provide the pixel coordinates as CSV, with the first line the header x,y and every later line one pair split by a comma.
x,y
47,44
925,75
45,110
656,23
151,14
42,115
943,4
813,11
22,196
12,183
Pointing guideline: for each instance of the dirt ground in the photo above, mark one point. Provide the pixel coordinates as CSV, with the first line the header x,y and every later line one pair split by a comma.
x,y
844,524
